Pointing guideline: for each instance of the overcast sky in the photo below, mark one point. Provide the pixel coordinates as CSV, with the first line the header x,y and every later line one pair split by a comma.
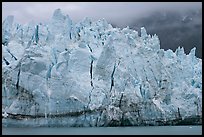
x,y
119,13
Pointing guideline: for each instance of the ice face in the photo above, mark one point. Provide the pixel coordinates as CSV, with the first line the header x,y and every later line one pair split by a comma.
x,y
91,74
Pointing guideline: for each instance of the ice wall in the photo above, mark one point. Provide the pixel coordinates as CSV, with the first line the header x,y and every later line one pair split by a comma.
x,y
91,74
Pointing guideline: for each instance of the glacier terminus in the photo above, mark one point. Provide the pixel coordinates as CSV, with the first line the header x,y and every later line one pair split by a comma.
x,y
90,74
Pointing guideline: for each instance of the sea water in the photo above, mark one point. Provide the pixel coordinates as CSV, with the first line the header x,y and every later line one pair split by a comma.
x,y
145,130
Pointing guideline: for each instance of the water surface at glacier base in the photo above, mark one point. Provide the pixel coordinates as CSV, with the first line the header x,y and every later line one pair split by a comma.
x,y
145,130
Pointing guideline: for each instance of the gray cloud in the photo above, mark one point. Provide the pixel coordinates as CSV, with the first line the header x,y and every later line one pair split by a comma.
x,y
119,13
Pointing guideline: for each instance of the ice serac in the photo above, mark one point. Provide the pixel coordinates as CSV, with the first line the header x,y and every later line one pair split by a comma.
x,y
6,29
91,74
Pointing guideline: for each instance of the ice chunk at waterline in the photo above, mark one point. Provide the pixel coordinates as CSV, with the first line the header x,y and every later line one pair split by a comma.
x,y
91,74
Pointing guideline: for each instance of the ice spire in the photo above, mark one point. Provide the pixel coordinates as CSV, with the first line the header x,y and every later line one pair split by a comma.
x,y
143,32
192,52
8,21
61,24
6,29
57,15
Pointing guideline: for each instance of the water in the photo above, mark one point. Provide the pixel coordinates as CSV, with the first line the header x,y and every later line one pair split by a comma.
x,y
150,130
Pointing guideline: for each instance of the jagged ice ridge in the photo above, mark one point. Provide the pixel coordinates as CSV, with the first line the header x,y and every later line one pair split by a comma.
x,y
91,74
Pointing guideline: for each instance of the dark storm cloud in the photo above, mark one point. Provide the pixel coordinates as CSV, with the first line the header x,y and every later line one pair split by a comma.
x,y
119,13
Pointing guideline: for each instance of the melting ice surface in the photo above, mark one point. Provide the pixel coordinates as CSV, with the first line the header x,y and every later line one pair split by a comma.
x,y
91,74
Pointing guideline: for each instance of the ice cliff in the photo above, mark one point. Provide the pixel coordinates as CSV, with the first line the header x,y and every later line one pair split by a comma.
x,y
91,74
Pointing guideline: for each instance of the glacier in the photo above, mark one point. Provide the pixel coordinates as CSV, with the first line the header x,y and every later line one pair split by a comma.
x,y
88,74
